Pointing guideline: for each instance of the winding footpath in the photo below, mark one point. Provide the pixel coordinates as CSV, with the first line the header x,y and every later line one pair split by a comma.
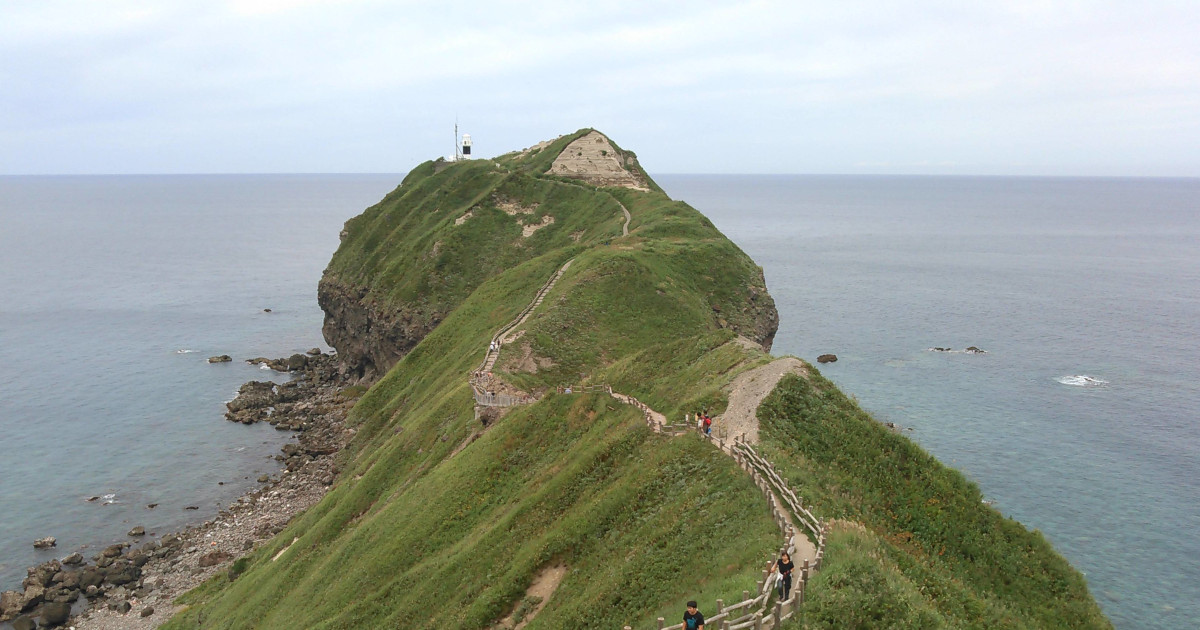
x,y
747,392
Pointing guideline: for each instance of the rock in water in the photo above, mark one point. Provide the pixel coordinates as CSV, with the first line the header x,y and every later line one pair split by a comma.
x,y
827,358
138,531
75,558
224,358
45,543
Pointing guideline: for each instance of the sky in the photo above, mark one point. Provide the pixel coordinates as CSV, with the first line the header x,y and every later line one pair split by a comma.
x,y
1020,87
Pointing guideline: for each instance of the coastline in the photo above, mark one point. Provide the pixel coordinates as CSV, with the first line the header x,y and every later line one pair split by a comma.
x,y
134,586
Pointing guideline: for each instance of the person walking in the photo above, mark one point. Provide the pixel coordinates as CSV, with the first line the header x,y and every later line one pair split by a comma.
x,y
692,618
784,566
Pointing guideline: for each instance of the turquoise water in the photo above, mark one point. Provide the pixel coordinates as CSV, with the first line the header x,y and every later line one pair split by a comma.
x,y
1057,279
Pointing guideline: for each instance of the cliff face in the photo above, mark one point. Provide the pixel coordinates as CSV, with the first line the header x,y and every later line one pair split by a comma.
x,y
369,339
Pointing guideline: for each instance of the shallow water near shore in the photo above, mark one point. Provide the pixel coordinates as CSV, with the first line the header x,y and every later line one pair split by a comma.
x,y
116,291
1080,419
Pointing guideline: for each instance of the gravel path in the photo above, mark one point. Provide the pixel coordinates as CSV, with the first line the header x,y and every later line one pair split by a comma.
x,y
749,390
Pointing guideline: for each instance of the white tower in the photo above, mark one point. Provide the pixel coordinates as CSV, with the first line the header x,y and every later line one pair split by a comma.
x,y
466,146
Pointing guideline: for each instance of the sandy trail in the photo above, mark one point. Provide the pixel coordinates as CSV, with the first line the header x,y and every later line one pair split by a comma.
x,y
747,392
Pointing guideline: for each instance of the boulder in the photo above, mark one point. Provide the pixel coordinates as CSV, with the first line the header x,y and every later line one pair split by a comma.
x,y
253,395
139,558
214,558
112,551
45,543
122,574
138,531
55,614
296,362
24,623
90,578
147,611
121,607
70,580
10,605
974,350
75,558
827,358
316,352
224,358
33,595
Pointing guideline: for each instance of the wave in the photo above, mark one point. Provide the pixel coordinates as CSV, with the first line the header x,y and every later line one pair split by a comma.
x,y
184,351
1082,380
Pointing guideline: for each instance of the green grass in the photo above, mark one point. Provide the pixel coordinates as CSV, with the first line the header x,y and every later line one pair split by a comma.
x,y
930,532
430,527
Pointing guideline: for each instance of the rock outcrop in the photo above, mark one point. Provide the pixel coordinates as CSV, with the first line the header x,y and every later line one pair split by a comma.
x,y
369,338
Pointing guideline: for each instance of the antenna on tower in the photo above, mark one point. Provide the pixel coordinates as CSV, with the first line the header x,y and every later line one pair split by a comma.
x,y
457,148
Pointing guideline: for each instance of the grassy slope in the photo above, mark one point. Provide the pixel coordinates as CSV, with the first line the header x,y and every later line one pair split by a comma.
x,y
932,555
414,537
644,522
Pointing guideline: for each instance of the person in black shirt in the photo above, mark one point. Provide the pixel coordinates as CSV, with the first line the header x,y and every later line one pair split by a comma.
x,y
692,619
784,566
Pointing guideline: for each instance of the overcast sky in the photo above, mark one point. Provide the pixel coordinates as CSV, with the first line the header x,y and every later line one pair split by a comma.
x,y
1024,87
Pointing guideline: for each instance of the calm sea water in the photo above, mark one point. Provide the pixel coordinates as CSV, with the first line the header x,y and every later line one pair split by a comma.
x,y
1081,419
105,280
114,291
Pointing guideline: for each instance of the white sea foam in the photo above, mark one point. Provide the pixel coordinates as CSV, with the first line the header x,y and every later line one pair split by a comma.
x,y
264,366
1082,380
184,351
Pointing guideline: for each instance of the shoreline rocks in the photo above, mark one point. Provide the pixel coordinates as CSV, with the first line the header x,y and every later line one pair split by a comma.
x,y
45,543
827,358
124,577
224,358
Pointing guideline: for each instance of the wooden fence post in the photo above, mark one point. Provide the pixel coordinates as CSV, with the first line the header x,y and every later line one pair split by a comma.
x,y
804,569
745,595
758,621
661,623
778,614
720,606
803,582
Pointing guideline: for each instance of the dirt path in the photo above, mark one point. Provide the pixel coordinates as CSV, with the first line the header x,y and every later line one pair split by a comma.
x,y
748,391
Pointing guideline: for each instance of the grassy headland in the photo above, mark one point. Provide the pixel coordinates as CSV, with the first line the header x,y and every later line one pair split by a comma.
x,y
436,522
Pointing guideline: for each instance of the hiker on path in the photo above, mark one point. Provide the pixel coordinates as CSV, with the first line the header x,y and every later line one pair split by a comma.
x,y
693,619
707,424
784,566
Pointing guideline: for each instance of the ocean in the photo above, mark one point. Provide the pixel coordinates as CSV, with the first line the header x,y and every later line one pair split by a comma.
x,y
1080,419
116,290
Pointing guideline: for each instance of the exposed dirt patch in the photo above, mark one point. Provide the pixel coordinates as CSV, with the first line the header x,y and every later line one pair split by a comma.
x,y
748,391
463,219
536,596
528,230
526,362
511,207
576,236
593,159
